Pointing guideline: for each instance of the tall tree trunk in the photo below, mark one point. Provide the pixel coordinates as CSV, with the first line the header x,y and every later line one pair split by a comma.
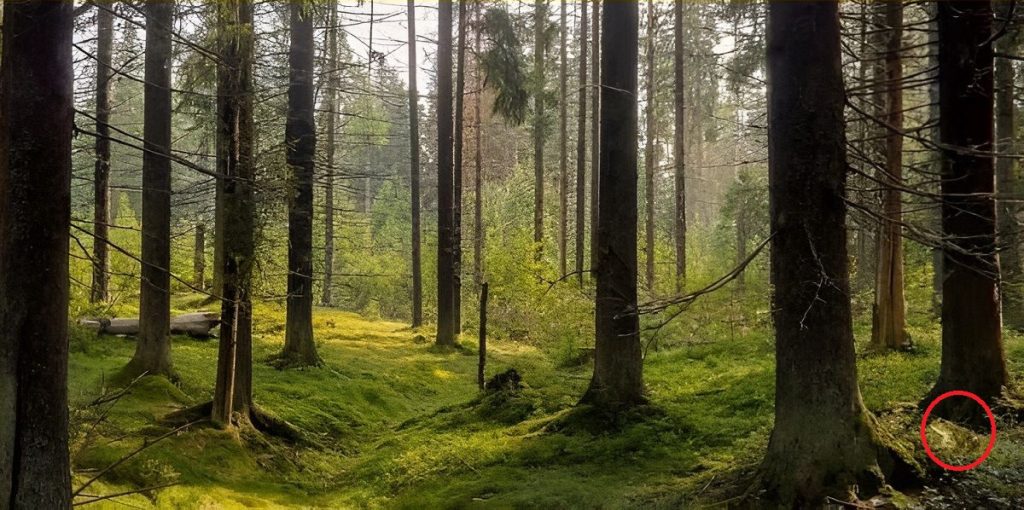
x,y
563,143
935,217
300,140
153,348
649,155
233,387
101,179
890,308
679,143
540,21
618,366
972,343
824,442
199,257
333,85
460,124
36,98
478,190
1011,286
595,130
581,146
414,171
445,181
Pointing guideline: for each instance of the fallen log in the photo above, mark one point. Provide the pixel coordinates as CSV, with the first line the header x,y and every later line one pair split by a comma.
x,y
196,324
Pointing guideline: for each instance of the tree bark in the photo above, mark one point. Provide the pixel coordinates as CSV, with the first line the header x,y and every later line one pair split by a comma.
x,y
36,98
824,442
539,23
233,387
1011,286
581,146
617,382
595,129
890,308
563,143
679,144
414,171
935,217
199,257
445,181
459,142
649,156
972,344
101,175
153,349
300,140
478,189
333,85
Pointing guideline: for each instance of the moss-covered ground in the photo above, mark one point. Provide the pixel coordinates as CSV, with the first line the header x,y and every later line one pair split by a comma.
x,y
393,422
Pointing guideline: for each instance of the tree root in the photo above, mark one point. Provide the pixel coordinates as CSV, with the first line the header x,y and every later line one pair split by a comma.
x,y
255,418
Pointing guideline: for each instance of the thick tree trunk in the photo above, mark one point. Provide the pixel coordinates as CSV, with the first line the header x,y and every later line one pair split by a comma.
x,y
445,181
300,140
540,20
153,349
563,143
823,443
890,308
595,129
581,146
459,141
199,257
972,344
35,209
649,155
101,176
617,383
414,171
233,389
679,144
1011,286
333,85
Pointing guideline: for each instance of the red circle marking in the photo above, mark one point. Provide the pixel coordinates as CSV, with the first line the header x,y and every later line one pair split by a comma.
x,y
992,435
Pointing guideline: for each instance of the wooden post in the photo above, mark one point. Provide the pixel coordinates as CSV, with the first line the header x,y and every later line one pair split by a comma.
x,y
483,336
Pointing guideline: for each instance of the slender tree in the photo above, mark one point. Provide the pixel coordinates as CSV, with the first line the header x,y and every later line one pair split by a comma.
x,y
458,143
414,171
563,140
1011,286
617,382
478,189
972,343
581,145
595,129
101,175
445,181
823,442
300,140
679,142
890,308
540,23
233,388
649,156
153,349
37,101
331,100
199,257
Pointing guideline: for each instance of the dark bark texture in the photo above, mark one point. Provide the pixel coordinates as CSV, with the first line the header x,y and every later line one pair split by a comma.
x,y
331,100
617,383
581,146
414,172
101,174
153,350
300,140
972,344
233,387
679,143
445,180
823,443
35,213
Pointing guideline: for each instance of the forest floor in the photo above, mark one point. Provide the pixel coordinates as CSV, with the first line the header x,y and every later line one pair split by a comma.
x,y
393,422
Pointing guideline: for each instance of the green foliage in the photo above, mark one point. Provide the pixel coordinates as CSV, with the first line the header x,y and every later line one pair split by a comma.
x,y
503,66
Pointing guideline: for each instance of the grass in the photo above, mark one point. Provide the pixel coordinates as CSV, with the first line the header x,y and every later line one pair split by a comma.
x,y
399,424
